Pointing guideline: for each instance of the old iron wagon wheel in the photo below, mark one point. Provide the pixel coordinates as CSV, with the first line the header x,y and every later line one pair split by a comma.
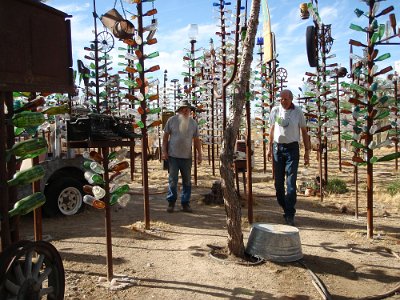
x,y
31,270
106,41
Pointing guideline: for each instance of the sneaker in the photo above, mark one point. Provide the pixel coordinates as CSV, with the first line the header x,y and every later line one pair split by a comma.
x,y
186,208
289,221
171,206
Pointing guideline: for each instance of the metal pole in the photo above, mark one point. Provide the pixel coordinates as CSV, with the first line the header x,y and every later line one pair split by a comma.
x,y
105,152
96,57
370,174
193,85
396,143
4,200
145,169
338,123
248,162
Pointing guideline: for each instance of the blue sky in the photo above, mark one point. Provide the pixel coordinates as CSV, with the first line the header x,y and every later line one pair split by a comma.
x,y
175,16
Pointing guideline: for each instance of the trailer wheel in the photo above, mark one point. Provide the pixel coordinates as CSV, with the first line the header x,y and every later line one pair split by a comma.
x,y
63,196
31,270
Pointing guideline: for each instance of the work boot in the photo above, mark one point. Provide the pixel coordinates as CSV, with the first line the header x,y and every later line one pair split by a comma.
x,y
186,208
171,206
289,220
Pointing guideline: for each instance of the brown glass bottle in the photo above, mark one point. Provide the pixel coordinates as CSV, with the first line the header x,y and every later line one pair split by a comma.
x,y
31,104
119,166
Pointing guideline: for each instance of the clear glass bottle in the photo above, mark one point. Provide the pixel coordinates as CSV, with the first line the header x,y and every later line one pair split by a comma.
x,y
92,201
96,167
98,192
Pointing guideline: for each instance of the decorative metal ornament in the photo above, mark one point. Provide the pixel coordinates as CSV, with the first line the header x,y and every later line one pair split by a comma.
x,y
281,74
326,38
106,41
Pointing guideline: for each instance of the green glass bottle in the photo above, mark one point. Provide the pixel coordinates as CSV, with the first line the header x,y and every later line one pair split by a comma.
x,y
154,110
346,136
86,164
152,55
139,67
139,124
357,145
389,157
382,57
120,190
56,110
118,193
357,28
27,204
27,176
25,148
382,115
94,178
358,12
18,131
118,155
28,119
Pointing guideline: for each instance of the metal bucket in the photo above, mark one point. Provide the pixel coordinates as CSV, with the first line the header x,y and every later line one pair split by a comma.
x,y
275,242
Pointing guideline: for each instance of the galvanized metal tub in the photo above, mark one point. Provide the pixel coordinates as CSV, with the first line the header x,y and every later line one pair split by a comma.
x,y
274,242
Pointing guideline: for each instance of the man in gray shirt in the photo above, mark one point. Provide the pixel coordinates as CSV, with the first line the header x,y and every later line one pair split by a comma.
x,y
179,131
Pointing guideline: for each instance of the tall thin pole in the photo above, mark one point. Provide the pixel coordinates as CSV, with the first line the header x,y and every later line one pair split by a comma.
x,y
193,85
96,57
396,143
338,123
370,81
145,141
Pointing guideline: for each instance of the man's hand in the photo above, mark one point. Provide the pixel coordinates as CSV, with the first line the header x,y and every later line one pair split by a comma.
x,y
164,155
269,154
307,158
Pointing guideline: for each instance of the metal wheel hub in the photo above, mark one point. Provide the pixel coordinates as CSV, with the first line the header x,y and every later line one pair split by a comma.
x,y
30,289
69,201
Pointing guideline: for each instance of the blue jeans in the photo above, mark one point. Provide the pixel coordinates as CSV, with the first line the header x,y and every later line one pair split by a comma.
x,y
184,166
286,163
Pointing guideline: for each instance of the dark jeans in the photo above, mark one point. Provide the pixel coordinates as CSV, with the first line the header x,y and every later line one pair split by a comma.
x,y
184,166
286,163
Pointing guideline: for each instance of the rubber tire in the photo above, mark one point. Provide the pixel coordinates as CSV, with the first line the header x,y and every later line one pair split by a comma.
x,y
311,44
53,191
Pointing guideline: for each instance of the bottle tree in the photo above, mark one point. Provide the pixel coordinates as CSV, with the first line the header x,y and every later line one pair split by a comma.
x,y
318,86
367,100
139,89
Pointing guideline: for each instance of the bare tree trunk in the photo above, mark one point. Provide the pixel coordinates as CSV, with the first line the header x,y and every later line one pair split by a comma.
x,y
231,199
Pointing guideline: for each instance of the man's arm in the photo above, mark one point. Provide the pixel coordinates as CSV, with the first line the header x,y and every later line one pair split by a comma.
x,y
307,145
271,142
197,146
164,152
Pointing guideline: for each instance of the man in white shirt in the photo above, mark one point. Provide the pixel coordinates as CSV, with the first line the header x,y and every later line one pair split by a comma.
x,y
287,120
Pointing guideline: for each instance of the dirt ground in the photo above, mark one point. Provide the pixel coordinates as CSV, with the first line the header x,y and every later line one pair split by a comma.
x,y
172,259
